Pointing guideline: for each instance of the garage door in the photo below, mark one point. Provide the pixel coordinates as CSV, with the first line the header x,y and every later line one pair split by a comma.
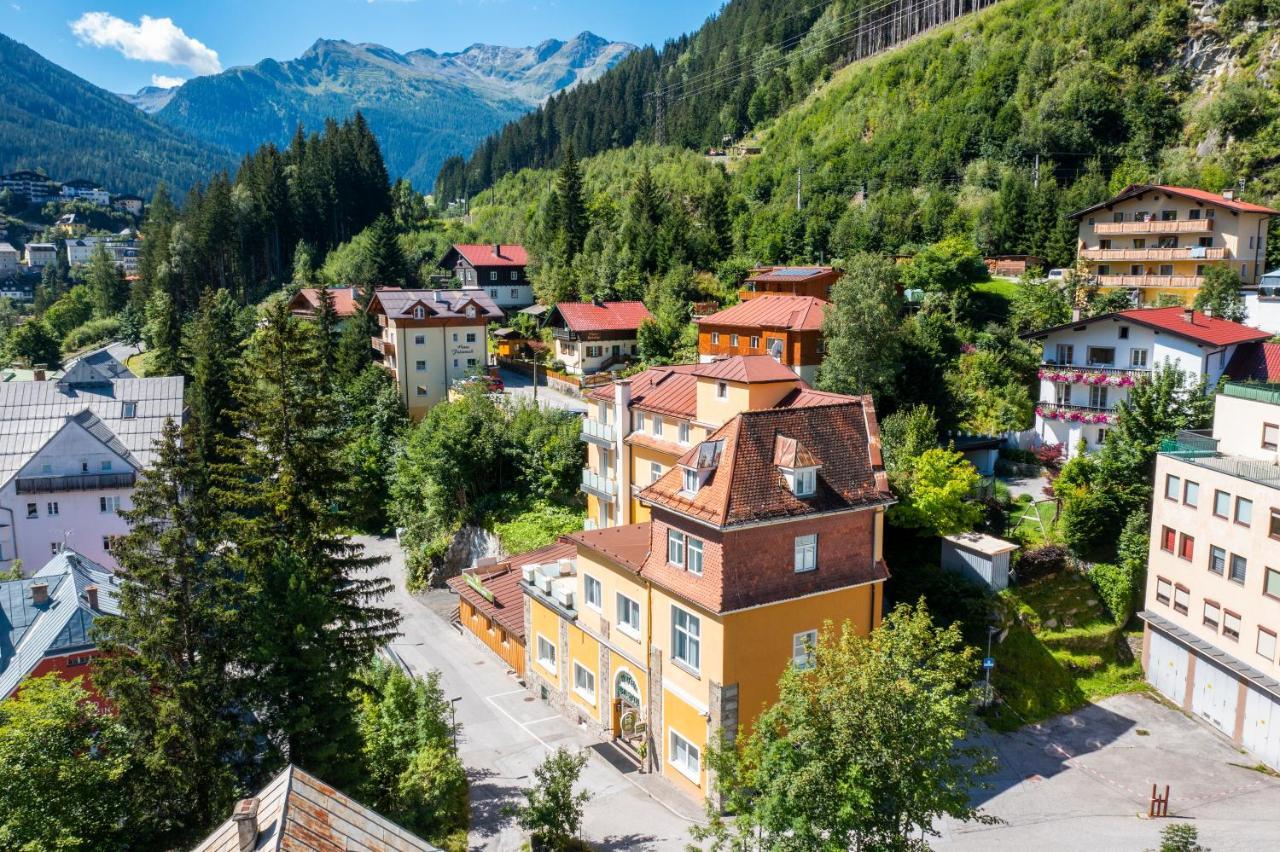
x,y
1215,695
1262,726
1167,668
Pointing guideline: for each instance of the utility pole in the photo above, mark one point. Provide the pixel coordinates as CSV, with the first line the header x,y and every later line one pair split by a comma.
x,y
1035,173
798,204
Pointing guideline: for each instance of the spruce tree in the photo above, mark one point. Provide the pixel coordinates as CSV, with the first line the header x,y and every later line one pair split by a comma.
x,y
571,208
312,617
169,662
107,286
327,336
210,352
354,351
384,258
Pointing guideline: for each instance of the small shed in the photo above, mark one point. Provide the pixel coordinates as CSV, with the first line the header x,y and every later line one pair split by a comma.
x,y
981,451
979,557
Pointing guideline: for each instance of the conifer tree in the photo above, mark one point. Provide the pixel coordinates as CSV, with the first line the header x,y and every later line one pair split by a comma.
x,y
312,615
169,656
384,258
107,286
571,207
353,352
211,350
327,336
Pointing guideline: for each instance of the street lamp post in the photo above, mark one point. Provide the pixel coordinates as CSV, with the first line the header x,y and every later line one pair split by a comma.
x,y
453,721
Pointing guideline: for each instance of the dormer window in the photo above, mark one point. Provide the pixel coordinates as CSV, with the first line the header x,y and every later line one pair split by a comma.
x,y
798,466
471,311
690,481
419,312
806,481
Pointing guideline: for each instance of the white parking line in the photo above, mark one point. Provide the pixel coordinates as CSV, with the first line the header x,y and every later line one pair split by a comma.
x,y
544,719
512,692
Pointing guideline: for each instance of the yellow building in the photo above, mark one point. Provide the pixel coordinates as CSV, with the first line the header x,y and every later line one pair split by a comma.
x,y
664,635
636,428
430,339
1156,240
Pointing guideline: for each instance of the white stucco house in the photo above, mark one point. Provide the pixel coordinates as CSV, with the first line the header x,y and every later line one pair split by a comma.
x,y
71,450
1089,365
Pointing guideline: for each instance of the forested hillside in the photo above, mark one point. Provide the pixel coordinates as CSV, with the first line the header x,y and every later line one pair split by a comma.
x,y
942,136
751,60
52,119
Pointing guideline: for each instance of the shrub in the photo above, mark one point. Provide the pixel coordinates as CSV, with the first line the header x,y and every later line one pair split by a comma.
x,y
1118,588
1018,456
1049,455
1042,562
91,333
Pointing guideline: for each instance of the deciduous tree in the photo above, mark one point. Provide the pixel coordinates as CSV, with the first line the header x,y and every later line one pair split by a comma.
x,y
552,810
861,329
935,492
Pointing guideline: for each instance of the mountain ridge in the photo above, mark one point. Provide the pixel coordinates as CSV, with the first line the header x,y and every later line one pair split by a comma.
x,y
423,105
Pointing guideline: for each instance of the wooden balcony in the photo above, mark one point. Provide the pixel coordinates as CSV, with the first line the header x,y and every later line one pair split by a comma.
x,y
1188,282
385,348
1185,226
1192,253
75,482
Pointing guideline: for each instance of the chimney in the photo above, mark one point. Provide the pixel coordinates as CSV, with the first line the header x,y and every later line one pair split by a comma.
x,y
245,817
38,373
39,593
1188,315
497,249
91,592
1208,311
1229,194
1075,315
597,301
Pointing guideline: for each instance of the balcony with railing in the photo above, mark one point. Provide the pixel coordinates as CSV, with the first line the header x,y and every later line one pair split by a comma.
x,y
1170,281
1201,450
1083,414
1091,375
601,434
1153,226
604,487
386,348
1155,254
75,482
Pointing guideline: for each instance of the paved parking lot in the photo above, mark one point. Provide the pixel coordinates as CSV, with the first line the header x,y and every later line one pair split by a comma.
x,y
1080,781
520,385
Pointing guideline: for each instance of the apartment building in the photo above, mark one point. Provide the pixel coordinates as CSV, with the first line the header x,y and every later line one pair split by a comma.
x,y
34,187
1212,611
1154,240
124,251
637,428
40,255
430,339
665,634
71,450
497,269
786,328
85,190
131,204
1089,365
594,336
8,260
813,281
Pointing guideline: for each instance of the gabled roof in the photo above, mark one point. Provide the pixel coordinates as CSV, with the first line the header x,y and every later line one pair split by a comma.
x,y
1200,195
746,486
31,632
103,362
484,255
438,304
1180,322
791,273
298,811
307,301
1256,362
746,368
32,412
788,452
794,313
502,580
603,316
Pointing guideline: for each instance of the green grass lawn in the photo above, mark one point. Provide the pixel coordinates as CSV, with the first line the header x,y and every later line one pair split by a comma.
x,y
1036,534
993,299
1061,651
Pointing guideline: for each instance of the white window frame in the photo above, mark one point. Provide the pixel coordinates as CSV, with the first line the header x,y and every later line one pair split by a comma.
x,y
547,662
692,638
588,695
109,504
420,366
588,583
680,743
806,481
625,606
682,434
419,340
1258,644
129,410
806,553
675,547
694,555
51,508
690,481
657,425
802,649
655,472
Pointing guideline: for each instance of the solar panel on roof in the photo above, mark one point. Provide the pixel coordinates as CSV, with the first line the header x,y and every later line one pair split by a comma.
x,y
795,272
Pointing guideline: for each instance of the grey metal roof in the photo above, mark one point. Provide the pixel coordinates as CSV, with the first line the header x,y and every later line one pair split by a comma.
x,y
299,811
398,304
29,633
103,363
32,412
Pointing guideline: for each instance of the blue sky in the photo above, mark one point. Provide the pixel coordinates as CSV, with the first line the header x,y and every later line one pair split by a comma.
x,y
122,45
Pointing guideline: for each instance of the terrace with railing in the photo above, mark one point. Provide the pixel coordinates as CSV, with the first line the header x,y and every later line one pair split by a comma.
x,y
1153,226
1199,448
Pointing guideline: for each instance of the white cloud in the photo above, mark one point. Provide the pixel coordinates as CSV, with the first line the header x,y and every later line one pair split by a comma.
x,y
164,81
150,40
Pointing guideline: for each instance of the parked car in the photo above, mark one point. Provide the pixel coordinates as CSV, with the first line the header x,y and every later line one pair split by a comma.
x,y
491,384
1057,274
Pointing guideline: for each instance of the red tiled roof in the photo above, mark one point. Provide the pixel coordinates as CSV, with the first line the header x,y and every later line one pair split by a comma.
x,y
626,545
791,273
1201,195
1213,331
482,255
609,316
1258,362
503,581
795,313
746,486
746,368
307,300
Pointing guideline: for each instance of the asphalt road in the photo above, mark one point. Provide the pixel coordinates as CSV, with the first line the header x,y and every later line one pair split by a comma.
x,y
506,732
519,385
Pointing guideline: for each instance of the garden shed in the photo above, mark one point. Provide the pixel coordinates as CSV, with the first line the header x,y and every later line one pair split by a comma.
x,y
982,558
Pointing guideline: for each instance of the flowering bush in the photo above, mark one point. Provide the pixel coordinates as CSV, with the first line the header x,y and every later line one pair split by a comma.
x,y
1084,377
1047,412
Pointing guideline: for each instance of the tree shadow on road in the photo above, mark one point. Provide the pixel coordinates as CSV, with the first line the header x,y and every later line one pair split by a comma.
x,y
619,842
491,795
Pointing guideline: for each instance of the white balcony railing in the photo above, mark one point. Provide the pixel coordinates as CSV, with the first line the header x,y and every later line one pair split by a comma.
x,y
597,430
601,486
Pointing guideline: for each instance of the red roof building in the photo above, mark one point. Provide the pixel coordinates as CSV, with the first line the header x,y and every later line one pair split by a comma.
x,y
496,268
1256,362
787,328
595,336
306,302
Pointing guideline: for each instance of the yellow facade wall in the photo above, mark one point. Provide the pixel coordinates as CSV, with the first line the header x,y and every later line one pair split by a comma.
x,y
758,642
711,648
544,622
689,723
642,458
584,650
618,663
613,580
